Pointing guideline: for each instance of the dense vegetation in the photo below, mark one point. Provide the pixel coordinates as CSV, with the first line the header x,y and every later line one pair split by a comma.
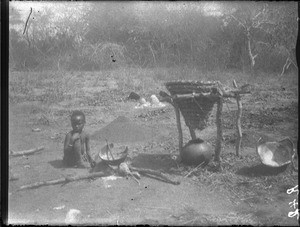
x,y
250,36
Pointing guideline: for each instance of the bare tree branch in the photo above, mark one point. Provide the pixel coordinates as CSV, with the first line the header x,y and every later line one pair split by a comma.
x,y
256,16
259,13
241,23
263,43
260,23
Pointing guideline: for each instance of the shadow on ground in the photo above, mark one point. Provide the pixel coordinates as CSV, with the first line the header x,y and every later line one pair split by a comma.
x,y
58,164
162,162
260,170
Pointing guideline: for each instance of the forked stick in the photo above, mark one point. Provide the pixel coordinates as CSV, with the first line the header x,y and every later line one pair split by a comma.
x,y
108,149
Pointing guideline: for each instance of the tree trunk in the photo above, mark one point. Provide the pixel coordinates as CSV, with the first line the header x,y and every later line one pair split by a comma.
x,y
251,56
153,55
287,64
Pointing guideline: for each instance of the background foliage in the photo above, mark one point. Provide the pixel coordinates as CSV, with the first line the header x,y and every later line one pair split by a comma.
x,y
250,36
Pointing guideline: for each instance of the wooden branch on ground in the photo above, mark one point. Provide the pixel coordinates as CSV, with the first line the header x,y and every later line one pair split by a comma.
x,y
193,170
27,152
154,173
63,180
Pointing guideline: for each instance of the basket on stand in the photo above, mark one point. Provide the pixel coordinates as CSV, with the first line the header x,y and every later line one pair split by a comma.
x,y
195,100
195,109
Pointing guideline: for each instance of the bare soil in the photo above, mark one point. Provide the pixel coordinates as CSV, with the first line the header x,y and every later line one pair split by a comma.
x,y
245,192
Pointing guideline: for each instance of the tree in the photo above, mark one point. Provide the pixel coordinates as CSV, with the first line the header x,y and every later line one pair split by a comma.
x,y
264,23
285,32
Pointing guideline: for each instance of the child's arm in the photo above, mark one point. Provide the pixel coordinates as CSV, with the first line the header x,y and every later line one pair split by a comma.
x,y
70,139
68,144
88,152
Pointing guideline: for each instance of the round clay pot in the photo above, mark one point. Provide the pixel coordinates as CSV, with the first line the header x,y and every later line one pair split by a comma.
x,y
195,152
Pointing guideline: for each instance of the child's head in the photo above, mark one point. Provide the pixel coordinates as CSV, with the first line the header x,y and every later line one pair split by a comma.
x,y
77,120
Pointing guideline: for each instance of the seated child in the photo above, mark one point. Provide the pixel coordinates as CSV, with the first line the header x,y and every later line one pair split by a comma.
x,y
77,143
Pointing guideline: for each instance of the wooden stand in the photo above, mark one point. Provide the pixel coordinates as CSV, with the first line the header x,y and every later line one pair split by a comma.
x,y
219,130
238,122
233,93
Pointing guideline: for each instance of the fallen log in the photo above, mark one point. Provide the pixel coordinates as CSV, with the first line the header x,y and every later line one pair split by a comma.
x,y
63,180
26,152
155,173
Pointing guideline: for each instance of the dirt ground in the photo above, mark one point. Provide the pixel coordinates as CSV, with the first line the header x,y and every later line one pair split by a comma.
x,y
245,192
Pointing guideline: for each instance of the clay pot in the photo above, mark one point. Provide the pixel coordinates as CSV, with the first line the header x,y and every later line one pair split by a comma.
x,y
195,152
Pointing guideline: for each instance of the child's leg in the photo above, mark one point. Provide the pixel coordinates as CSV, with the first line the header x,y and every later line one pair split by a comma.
x,y
77,153
68,159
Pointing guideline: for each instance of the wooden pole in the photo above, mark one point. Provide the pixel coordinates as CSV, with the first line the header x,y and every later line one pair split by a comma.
x,y
226,94
63,180
192,132
219,130
27,152
238,122
180,136
238,125
169,99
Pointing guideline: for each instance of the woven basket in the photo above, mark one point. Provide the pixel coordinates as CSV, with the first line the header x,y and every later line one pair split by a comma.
x,y
195,110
